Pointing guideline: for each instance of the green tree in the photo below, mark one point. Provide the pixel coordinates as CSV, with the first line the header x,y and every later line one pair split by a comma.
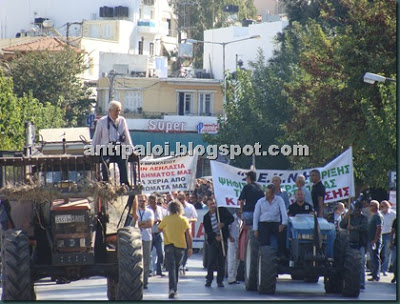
x,y
331,106
15,111
53,77
311,91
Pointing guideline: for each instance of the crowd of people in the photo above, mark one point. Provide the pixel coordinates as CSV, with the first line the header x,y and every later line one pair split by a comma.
x,y
372,227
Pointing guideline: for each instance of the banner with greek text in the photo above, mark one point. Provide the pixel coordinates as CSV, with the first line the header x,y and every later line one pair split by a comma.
x,y
168,174
337,177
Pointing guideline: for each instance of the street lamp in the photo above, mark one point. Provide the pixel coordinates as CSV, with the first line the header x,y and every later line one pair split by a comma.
x,y
372,78
224,44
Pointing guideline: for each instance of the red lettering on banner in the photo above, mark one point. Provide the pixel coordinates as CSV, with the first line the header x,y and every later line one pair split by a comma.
x,y
337,193
229,201
334,194
200,233
328,195
346,191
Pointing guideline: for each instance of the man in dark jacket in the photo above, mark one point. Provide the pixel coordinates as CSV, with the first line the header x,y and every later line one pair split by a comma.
x,y
213,227
358,237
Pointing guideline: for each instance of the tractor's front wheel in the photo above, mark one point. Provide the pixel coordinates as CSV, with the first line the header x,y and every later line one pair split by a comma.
x,y
17,283
130,264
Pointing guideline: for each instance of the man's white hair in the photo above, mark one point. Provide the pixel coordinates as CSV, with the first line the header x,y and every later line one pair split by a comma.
x,y
114,104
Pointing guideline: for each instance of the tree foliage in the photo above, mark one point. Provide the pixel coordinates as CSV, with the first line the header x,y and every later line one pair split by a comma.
x,y
15,111
311,91
53,77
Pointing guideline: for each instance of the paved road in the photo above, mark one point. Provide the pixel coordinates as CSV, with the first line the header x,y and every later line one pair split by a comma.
x,y
191,287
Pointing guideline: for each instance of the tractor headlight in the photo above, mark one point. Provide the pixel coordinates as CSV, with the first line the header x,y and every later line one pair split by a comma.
x,y
60,243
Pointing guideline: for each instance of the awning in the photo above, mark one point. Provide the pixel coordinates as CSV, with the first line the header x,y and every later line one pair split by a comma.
x,y
170,47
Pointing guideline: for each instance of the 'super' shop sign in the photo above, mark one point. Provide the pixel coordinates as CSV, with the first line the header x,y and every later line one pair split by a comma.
x,y
164,126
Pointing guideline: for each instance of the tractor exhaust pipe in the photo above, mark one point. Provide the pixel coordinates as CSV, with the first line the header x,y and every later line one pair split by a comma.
x,y
30,137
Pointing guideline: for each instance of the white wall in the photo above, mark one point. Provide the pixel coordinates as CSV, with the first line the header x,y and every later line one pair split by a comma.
x,y
246,50
16,15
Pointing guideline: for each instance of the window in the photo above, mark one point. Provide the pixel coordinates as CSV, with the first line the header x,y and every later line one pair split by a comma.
x,y
133,100
151,14
205,103
140,46
151,49
107,31
185,101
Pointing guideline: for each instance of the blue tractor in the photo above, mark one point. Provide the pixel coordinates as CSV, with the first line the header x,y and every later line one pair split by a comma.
x,y
314,250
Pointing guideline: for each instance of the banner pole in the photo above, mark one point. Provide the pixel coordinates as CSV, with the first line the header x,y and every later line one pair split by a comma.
x,y
220,232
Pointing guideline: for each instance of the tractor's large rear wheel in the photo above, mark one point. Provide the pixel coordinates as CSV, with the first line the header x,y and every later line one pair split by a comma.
x,y
16,262
130,265
333,284
251,261
352,273
267,270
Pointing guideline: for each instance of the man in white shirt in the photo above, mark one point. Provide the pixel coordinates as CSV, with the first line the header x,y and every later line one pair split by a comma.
x,y
189,211
276,181
389,216
157,242
301,184
270,219
112,129
145,222
233,247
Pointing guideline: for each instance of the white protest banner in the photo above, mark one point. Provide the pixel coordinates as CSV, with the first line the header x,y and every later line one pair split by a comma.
x,y
337,177
168,174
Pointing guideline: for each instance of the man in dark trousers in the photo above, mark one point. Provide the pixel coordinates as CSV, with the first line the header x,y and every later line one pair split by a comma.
x,y
375,240
317,192
249,196
213,228
358,234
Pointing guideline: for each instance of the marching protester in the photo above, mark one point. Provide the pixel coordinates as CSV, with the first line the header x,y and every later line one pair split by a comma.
x,y
389,216
190,213
157,241
300,206
249,196
233,247
113,129
145,222
276,181
177,238
300,183
270,219
358,238
317,192
375,240
216,225
393,246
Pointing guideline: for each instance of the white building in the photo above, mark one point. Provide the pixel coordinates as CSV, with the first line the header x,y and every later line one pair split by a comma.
x,y
243,50
107,28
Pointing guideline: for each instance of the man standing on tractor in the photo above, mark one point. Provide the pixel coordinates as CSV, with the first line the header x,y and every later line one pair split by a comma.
x,y
270,219
113,129
249,196
317,192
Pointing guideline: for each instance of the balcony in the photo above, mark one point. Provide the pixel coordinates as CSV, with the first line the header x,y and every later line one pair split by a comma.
x,y
147,26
